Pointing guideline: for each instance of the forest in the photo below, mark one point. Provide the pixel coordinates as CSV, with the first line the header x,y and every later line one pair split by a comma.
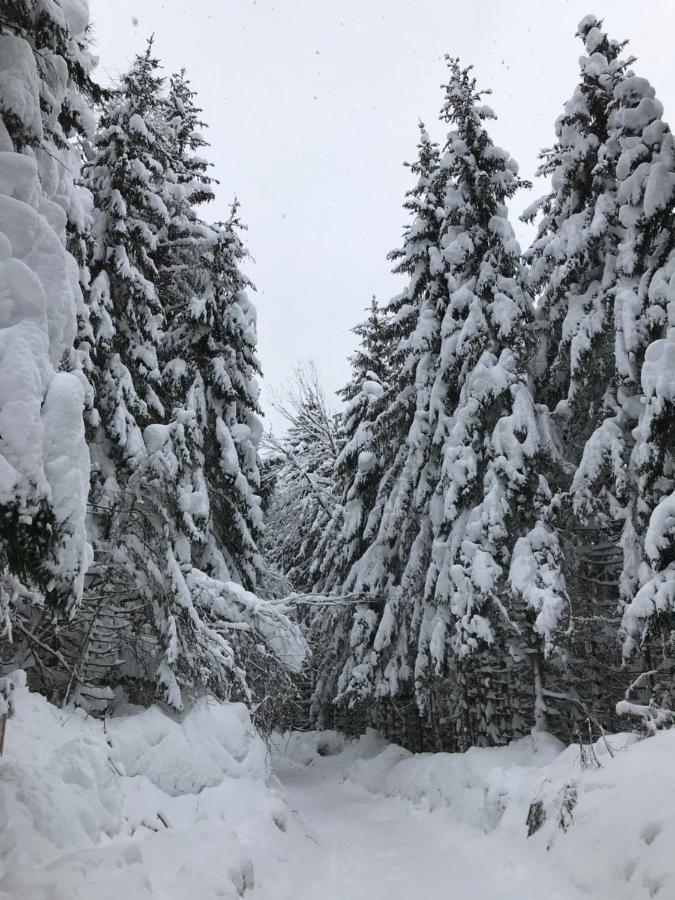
x,y
473,545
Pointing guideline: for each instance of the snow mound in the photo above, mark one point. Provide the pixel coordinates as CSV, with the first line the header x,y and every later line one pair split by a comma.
x,y
56,788
213,741
612,827
471,783
605,821
309,747
143,807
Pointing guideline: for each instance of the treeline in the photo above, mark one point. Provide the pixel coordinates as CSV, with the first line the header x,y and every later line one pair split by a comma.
x,y
129,421
483,540
487,532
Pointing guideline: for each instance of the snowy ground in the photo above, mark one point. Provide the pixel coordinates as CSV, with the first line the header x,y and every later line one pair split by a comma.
x,y
146,808
149,808
391,824
366,847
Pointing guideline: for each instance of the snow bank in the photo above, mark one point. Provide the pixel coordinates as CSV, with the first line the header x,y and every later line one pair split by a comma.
x,y
144,807
611,828
608,824
214,741
471,783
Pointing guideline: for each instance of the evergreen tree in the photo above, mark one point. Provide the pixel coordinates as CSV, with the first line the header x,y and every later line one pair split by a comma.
x,y
119,349
184,241
571,257
45,87
171,351
306,499
371,361
412,325
488,506
574,268
464,493
356,476
620,471
390,525
602,251
126,319
648,615
640,433
357,472
223,343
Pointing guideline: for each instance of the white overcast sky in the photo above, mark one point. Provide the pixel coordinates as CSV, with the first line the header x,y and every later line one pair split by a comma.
x,y
312,108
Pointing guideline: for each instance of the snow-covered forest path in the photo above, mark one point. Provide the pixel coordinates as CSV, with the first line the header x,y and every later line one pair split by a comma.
x,y
362,846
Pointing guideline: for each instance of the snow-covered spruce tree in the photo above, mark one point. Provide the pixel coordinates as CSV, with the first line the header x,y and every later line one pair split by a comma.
x,y
118,347
372,358
648,615
570,258
390,526
357,473
219,338
45,86
469,484
602,245
126,322
356,479
202,470
305,499
411,329
494,593
626,472
573,270
171,352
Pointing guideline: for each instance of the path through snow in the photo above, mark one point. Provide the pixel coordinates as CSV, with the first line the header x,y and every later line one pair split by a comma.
x,y
361,846
153,808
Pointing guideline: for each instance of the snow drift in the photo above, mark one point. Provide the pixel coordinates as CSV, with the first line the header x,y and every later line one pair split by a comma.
x,y
144,806
147,805
605,821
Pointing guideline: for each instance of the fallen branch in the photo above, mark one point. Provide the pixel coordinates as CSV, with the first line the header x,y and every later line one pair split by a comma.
x,y
354,599
653,717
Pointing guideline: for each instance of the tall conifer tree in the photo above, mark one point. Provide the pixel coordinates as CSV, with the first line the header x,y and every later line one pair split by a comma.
x,y
45,87
171,358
